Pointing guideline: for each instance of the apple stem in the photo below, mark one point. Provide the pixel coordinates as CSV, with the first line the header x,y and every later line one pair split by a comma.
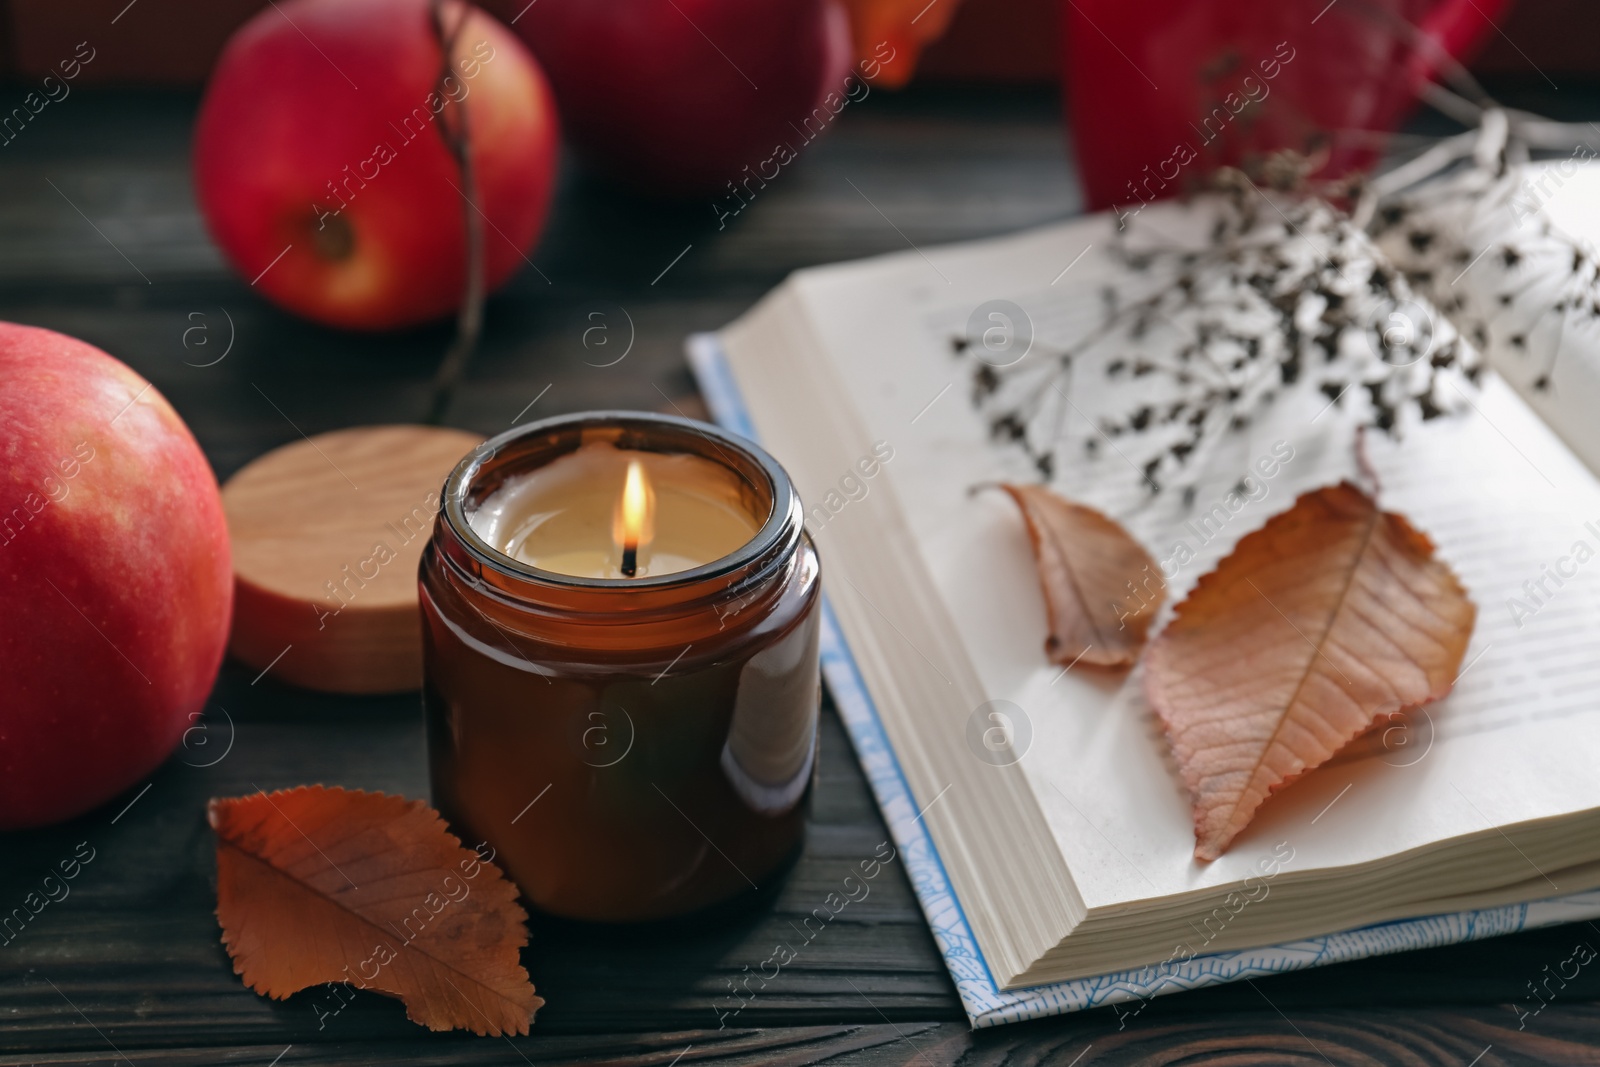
x,y
469,320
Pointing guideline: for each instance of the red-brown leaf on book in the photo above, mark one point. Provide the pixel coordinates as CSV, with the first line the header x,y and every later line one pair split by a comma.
x,y
1328,619
1101,588
320,885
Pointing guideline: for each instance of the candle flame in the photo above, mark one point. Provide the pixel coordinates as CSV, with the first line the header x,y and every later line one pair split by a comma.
x,y
634,523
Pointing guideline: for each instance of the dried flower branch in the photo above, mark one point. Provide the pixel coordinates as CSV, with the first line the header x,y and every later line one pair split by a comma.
x,y
1194,343
1475,239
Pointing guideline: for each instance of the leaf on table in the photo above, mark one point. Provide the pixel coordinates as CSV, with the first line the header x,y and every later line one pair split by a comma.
x,y
320,884
1330,618
889,34
1101,588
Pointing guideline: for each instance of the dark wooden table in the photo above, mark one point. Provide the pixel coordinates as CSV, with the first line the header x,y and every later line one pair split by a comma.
x,y
99,237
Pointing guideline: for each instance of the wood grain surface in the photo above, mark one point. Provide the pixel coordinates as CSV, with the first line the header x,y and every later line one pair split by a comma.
x,y
101,240
327,532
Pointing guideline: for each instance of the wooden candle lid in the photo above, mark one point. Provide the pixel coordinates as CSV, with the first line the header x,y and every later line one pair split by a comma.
x,y
327,533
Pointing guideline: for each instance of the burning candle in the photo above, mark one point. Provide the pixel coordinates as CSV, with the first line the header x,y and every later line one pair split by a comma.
x,y
604,512
635,520
620,650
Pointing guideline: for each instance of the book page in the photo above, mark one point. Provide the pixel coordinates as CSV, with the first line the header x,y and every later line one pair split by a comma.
x,y
1507,504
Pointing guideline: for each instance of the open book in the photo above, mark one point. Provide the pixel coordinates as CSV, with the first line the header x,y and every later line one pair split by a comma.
x,y
1043,822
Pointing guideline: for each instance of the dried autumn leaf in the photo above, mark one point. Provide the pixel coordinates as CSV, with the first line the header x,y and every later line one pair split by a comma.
x,y
322,885
889,34
1328,619
1101,588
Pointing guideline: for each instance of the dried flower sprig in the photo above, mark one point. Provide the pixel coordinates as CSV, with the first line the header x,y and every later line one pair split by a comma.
x,y
1475,239
1194,342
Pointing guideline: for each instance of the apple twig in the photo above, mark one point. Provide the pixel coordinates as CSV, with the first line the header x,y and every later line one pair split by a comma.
x,y
457,139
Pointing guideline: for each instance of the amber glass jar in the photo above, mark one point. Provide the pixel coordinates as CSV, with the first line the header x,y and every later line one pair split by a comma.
x,y
632,748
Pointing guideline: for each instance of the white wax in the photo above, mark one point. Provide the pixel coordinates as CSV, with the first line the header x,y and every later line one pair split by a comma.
x,y
559,517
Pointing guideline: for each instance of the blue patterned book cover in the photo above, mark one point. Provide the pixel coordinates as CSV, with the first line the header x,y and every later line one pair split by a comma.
x,y
985,1003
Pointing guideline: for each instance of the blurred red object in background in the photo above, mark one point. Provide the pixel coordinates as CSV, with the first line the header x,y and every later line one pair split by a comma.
x,y
323,165
1163,91
694,97
1014,42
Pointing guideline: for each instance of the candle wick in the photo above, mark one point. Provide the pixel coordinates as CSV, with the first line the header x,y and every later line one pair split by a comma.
x,y
630,560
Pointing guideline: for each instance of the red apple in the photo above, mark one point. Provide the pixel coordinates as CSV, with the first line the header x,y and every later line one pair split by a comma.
x,y
678,97
115,579
322,171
